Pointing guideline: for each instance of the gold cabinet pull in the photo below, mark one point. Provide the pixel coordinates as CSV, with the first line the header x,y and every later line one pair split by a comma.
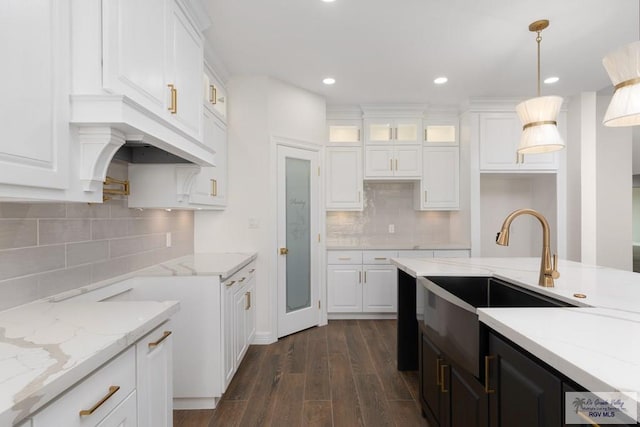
x,y
425,196
229,284
487,386
173,108
213,94
344,258
438,360
247,295
252,270
358,134
359,196
425,134
242,280
442,382
380,259
164,336
396,164
284,251
214,187
112,390
390,134
365,277
390,164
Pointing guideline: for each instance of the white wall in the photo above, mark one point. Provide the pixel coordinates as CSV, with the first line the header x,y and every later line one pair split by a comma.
x,y
574,199
259,108
614,188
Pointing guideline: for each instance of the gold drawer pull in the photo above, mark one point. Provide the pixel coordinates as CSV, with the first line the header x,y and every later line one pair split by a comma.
x,y
173,108
252,270
438,360
487,387
344,258
230,283
213,97
164,336
248,297
112,390
442,385
242,280
390,164
396,164
380,259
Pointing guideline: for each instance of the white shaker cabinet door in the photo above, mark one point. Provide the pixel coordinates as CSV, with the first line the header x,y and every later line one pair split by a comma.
x,y
378,161
154,384
380,289
344,288
408,161
34,41
441,178
344,178
135,52
185,71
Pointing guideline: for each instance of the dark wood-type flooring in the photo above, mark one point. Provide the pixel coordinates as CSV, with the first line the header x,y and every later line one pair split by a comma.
x,y
343,374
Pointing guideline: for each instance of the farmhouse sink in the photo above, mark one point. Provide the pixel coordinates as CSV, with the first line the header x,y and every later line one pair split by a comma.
x,y
450,319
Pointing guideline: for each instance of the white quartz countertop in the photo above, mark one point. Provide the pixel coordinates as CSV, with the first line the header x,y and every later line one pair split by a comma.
x,y
355,246
47,347
595,344
201,264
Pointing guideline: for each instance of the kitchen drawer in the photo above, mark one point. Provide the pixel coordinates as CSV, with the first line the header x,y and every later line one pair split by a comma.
x,y
418,253
90,392
344,257
242,275
451,253
378,257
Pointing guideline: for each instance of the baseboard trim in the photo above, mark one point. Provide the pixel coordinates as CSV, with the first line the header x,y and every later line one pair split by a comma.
x,y
361,316
190,403
264,338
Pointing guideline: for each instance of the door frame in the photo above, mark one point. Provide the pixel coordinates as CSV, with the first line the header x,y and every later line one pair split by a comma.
x,y
276,141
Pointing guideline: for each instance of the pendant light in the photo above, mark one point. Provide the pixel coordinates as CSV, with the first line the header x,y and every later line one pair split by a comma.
x,y
623,67
539,115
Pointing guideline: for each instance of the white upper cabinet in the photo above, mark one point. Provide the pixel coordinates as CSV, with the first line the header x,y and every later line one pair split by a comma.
x,y
153,54
439,188
344,132
499,138
344,179
215,96
34,148
393,161
440,130
393,130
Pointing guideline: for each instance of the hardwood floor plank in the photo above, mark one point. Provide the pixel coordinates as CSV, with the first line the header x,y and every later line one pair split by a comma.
x,y
412,381
262,399
389,333
374,405
344,397
296,353
407,413
198,418
289,401
392,382
317,385
336,337
361,362
317,413
243,382
228,413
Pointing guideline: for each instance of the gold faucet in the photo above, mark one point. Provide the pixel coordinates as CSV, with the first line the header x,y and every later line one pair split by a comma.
x,y
547,271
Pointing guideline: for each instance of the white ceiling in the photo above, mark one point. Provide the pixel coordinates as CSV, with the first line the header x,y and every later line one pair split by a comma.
x,y
389,51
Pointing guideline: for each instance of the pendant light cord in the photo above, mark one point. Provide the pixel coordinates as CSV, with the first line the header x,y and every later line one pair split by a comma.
x,y
539,39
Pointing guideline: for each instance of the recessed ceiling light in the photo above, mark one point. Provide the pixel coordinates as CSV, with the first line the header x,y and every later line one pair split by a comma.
x,y
551,80
440,80
328,80
328,1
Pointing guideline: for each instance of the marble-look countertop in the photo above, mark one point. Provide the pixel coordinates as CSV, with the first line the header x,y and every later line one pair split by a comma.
x,y
356,245
47,347
199,264
594,344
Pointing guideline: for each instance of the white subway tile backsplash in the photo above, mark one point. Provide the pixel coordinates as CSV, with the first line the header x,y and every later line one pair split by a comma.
x,y
52,231
35,259
32,210
87,252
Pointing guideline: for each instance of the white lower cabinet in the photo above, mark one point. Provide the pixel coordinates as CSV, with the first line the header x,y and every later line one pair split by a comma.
x,y
361,282
124,415
97,399
154,382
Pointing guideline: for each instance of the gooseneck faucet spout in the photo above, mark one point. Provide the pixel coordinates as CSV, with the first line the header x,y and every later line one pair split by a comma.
x,y
548,272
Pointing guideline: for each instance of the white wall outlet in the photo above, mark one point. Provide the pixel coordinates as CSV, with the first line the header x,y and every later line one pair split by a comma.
x,y
254,223
168,239
392,228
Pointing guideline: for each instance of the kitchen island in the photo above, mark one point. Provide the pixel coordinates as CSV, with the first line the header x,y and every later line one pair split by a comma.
x,y
592,344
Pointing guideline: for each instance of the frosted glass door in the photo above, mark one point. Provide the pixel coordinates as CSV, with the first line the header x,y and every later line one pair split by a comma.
x,y
298,194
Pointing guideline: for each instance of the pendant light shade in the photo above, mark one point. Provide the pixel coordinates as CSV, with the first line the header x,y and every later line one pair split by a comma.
x,y
539,115
539,125
623,67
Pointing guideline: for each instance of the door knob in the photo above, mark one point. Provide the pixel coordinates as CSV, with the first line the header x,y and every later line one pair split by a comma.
x,y
284,251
